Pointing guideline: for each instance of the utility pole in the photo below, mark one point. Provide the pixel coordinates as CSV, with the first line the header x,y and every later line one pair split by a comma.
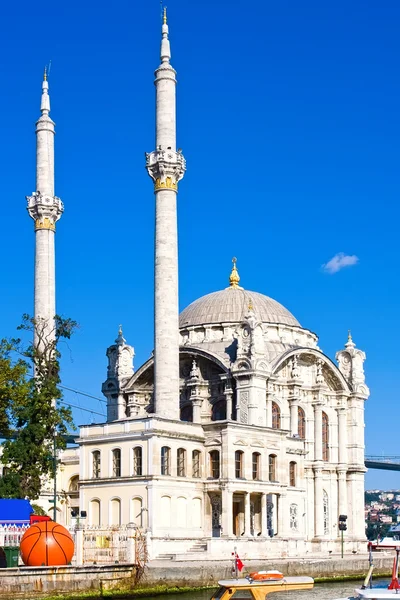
x,y
55,476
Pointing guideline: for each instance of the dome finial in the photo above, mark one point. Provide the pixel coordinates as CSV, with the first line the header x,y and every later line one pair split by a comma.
x,y
234,276
350,343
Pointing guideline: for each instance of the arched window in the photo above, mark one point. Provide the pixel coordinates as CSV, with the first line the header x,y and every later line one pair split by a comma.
x,y
73,484
256,465
115,512
96,464
239,464
214,464
196,472
325,437
137,512
292,474
94,513
302,423
116,462
219,411
272,467
276,416
181,462
326,513
165,460
137,461
187,413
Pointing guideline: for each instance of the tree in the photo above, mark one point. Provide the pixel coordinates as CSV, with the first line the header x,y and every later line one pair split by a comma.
x,y
31,416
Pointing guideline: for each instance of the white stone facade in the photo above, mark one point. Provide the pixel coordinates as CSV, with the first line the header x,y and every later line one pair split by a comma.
x,y
239,431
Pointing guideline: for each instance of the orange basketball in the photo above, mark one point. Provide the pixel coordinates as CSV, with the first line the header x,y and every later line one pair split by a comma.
x,y
46,544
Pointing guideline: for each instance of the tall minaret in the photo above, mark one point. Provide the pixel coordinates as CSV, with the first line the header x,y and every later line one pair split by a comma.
x,y
45,209
166,166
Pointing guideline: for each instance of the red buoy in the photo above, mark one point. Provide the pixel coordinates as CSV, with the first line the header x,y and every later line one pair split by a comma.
x,y
46,544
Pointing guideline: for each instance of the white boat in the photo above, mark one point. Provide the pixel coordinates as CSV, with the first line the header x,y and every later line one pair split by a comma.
x,y
368,592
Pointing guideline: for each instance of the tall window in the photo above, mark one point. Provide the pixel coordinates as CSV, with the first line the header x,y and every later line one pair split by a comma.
x,y
187,413
272,467
181,462
292,474
196,463
214,464
326,513
137,461
165,460
96,464
325,437
276,416
239,464
219,411
256,465
302,423
116,458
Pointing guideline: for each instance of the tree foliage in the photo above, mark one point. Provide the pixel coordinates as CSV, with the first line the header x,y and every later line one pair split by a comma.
x,y
31,416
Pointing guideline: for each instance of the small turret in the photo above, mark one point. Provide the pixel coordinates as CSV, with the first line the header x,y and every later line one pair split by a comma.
x,y
351,365
120,368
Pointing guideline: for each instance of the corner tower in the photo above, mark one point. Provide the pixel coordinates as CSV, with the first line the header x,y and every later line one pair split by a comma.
x,y
45,209
166,166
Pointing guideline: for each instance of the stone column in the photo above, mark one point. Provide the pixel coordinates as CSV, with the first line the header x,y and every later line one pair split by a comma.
x,y
247,515
166,167
196,403
342,488
283,515
294,416
227,513
264,531
269,409
317,431
342,420
228,396
79,555
318,503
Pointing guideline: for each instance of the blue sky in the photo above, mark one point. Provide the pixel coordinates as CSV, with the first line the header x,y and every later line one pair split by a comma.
x,y
288,116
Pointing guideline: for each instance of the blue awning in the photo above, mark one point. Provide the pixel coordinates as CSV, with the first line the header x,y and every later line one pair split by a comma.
x,y
14,511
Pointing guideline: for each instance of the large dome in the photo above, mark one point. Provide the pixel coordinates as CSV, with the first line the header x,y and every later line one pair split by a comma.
x,y
230,306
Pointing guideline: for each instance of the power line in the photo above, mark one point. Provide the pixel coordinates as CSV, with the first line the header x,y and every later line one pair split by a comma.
x,y
81,408
64,387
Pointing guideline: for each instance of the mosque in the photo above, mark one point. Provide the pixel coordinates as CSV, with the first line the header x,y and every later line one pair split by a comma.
x,y
239,430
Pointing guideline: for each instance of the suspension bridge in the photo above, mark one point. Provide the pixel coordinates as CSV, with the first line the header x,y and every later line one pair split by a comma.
x,y
384,463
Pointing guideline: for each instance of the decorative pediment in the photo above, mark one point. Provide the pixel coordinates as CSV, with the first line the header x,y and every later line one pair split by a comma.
x,y
257,444
212,442
240,443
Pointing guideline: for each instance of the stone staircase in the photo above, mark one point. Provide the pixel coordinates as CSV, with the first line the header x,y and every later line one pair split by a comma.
x,y
193,553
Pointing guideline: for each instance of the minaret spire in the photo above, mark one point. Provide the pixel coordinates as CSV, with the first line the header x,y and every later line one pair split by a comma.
x,y
166,166
45,209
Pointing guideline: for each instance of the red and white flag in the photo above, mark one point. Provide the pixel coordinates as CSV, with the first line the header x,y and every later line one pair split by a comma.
x,y
239,563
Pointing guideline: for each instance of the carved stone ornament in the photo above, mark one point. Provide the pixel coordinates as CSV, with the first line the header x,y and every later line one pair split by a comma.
x,y
295,373
244,401
44,210
319,379
166,168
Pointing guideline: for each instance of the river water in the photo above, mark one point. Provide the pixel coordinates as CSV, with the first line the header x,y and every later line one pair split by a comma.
x,y
321,591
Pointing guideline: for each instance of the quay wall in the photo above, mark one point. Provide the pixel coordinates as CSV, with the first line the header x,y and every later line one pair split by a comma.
x,y
37,582
50,581
207,573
